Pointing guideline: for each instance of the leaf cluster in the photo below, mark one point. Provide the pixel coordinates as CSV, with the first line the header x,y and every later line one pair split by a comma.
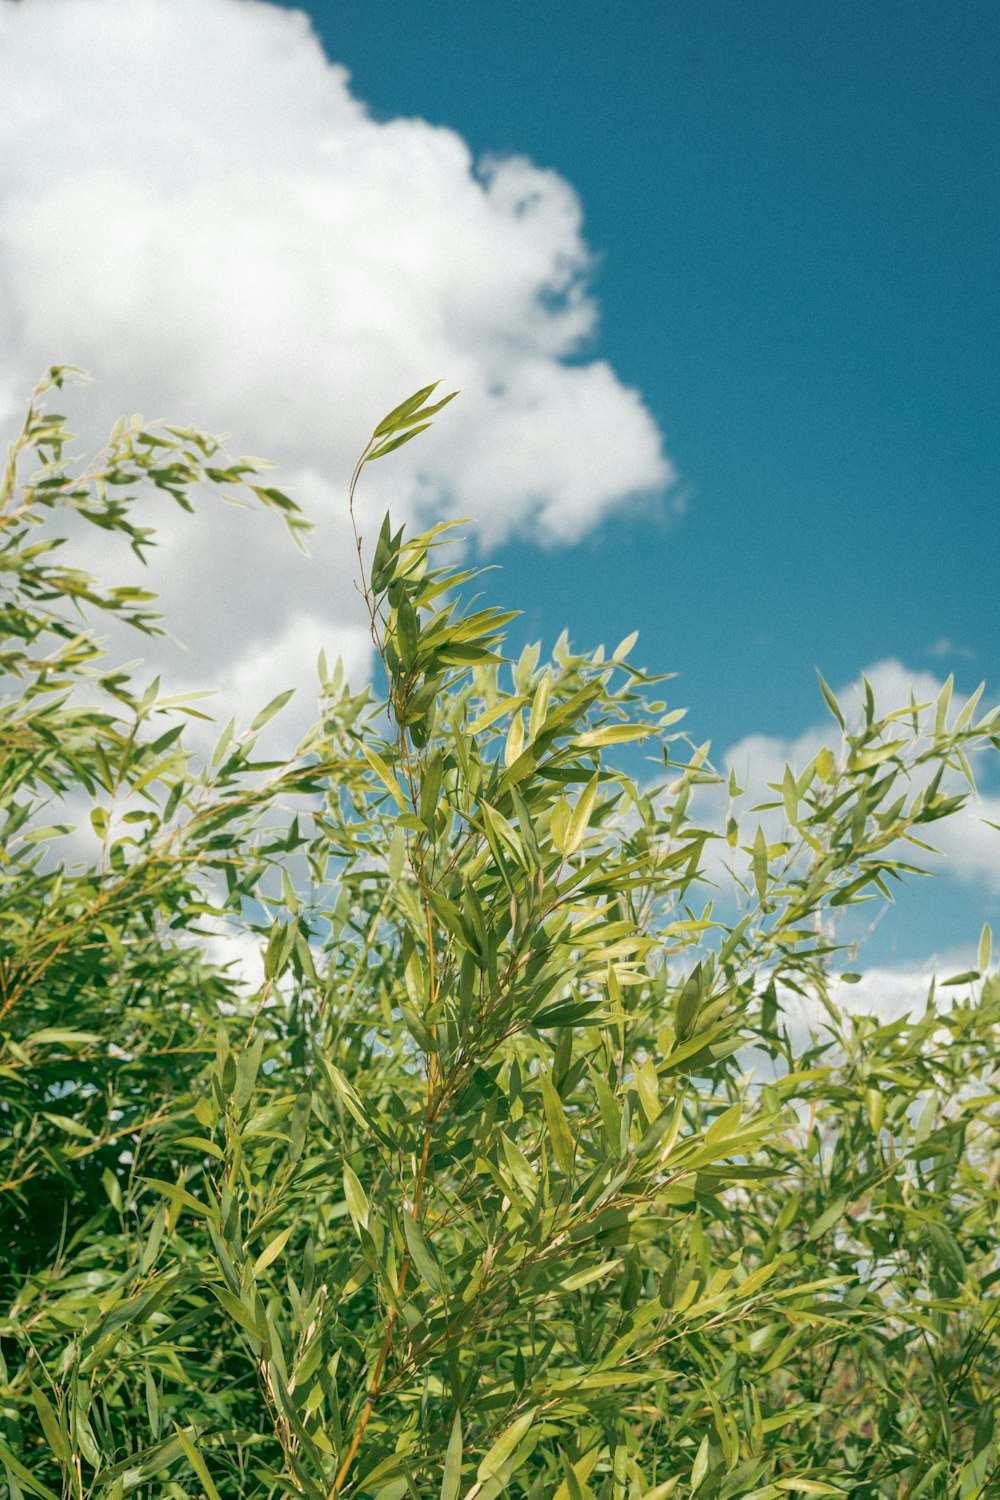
x,y
511,1175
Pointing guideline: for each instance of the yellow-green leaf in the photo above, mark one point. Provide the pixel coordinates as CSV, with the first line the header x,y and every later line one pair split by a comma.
x,y
559,825
51,1427
272,1250
386,777
515,740
579,820
831,701
577,1475
420,1253
563,1146
613,734
452,1480
357,1201
760,863
865,760
197,1463
806,1486
700,1466
504,1446
985,948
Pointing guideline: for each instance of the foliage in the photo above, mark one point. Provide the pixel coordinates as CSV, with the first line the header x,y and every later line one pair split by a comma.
x,y
512,1177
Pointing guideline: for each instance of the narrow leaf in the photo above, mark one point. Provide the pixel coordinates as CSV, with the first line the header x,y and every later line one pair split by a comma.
x,y
504,1446
357,1201
831,701
452,1480
421,1254
563,1147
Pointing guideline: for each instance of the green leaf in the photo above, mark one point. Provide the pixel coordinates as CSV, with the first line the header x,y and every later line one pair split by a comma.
x,y
688,1004
51,1425
409,632
386,777
790,796
515,740
724,1125
941,707
274,707
391,444
301,1111
985,948
559,822
197,1463
420,1253
177,1194
239,1310
539,706
113,1189
579,819
831,1215
624,647
504,1446
273,1249
831,701
405,410
520,1168
802,1486
562,1140
700,1466
397,852
866,760
247,1068
947,1251
760,863
452,1479
357,1201
613,734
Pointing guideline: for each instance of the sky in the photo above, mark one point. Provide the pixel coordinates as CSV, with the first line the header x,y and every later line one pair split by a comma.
x,y
718,285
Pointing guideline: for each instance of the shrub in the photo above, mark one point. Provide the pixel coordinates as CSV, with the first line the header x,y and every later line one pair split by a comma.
x,y
511,1177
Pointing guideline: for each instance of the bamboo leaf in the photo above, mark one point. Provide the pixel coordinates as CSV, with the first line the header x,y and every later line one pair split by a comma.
x,y
194,1458
559,1131
273,1249
831,702
51,1425
613,734
421,1253
498,1454
357,1201
451,1481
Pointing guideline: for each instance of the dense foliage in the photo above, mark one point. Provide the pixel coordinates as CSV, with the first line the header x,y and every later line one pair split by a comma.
x,y
512,1176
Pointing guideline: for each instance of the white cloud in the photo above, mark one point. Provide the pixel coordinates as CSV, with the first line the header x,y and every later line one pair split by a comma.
x,y
944,646
195,207
888,991
969,846
760,759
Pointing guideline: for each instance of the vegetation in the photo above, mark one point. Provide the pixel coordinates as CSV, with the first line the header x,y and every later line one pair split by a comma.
x,y
512,1177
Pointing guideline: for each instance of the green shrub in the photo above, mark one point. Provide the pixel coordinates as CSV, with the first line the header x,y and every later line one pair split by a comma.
x,y
476,1194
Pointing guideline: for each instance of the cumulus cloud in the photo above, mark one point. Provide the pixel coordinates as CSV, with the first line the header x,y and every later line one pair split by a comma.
x,y
195,207
968,842
889,991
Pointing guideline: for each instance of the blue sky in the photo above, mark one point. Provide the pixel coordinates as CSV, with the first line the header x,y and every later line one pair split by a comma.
x,y
796,212
755,246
